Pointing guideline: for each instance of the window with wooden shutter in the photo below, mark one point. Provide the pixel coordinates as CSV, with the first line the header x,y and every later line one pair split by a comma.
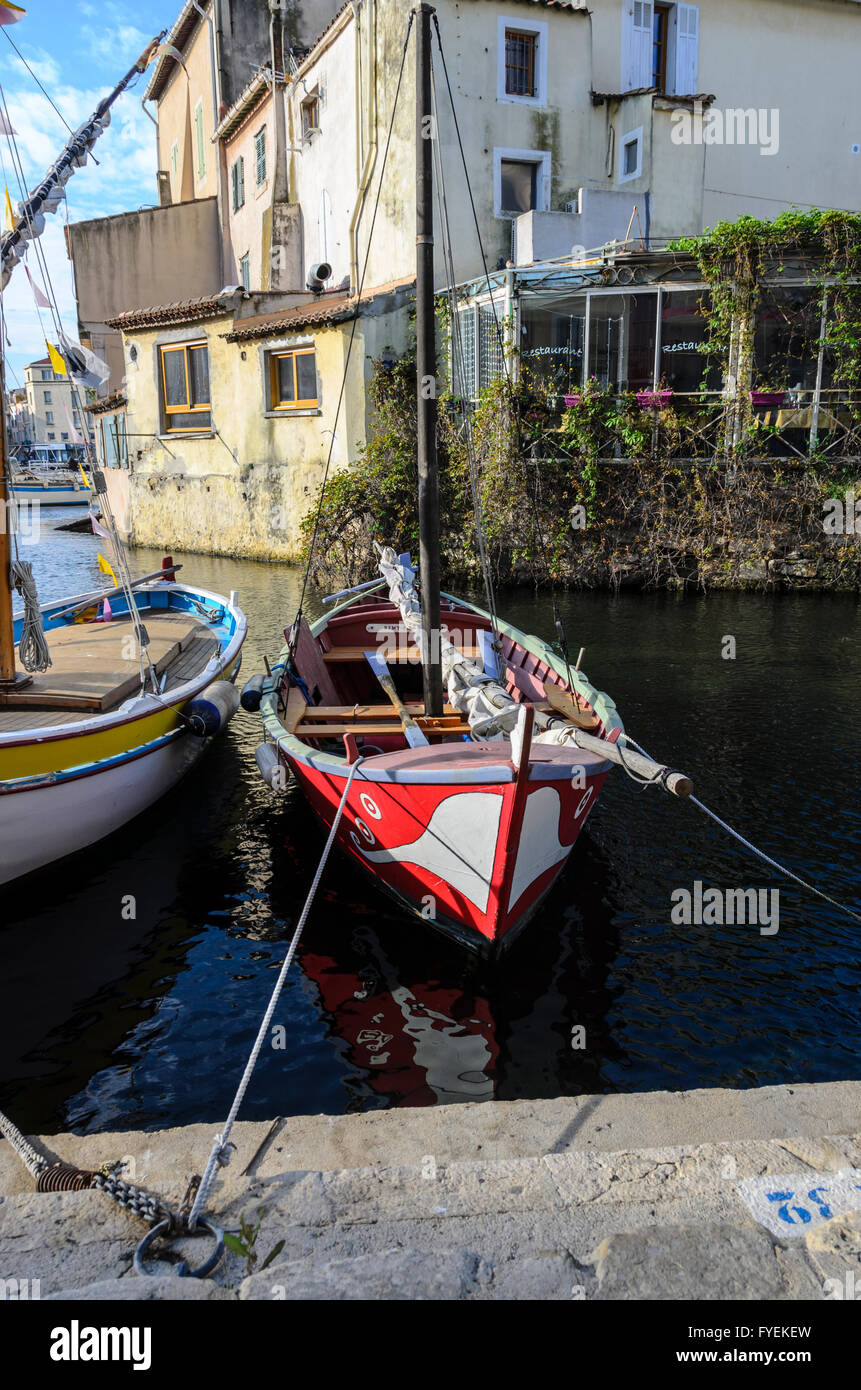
x,y
260,155
637,42
237,177
687,18
198,134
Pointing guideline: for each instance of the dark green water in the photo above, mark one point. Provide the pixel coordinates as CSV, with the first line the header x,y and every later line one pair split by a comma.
x,y
109,1024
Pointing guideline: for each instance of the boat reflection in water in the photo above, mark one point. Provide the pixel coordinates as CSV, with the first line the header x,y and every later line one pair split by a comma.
x,y
421,1026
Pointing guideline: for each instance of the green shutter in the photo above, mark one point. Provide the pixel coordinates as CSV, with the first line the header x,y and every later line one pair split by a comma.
x,y
201,150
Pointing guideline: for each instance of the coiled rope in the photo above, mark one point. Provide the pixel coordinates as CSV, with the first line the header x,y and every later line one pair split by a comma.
x,y
221,1147
33,646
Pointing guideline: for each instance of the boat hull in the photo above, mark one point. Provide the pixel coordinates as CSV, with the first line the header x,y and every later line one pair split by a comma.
x,y
468,836
53,496
50,821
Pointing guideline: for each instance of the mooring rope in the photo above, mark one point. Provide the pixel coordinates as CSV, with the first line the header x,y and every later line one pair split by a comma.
x,y
220,1154
748,845
33,646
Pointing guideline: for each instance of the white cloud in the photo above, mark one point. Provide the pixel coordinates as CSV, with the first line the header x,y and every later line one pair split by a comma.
x,y
124,179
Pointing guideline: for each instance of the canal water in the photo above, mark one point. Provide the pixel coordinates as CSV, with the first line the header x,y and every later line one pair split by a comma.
x,y
107,1023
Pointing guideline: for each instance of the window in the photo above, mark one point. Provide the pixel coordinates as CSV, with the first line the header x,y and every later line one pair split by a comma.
x,y
185,386
684,333
51,436
660,36
293,379
47,375
520,63
631,155
174,159
49,417
310,116
237,183
245,271
552,339
199,140
113,437
637,41
47,397
64,435
521,181
260,155
521,73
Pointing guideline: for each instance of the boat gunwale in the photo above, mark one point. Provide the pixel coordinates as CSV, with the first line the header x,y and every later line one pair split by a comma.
x,y
98,723
337,765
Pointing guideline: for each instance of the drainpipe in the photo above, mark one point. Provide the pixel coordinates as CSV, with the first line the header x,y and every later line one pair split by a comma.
x,y
219,201
279,154
371,151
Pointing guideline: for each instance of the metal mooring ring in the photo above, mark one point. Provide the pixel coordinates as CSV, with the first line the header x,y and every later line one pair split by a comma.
x,y
182,1270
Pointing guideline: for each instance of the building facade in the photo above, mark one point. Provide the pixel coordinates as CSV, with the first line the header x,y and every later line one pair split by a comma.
x,y
47,413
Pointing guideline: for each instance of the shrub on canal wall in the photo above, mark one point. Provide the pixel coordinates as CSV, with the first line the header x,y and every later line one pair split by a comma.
x,y
607,491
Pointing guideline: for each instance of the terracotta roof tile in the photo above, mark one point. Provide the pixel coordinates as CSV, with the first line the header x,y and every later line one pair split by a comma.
x,y
316,313
182,311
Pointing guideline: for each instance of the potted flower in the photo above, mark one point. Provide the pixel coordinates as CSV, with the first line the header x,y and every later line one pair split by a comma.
x,y
767,398
653,400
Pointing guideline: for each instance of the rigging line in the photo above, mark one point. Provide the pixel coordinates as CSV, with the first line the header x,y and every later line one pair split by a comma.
x,y
557,617
457,343
760,854
78,399
351,339
220,1149
38,83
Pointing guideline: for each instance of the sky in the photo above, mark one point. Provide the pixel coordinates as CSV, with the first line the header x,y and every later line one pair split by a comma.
x,y
79,50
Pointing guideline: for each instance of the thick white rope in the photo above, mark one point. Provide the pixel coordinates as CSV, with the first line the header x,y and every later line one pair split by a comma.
x,y
220,1155
32,1160
33,646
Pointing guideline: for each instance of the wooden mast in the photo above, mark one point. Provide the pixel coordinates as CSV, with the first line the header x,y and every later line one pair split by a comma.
x,y
429,558
9,678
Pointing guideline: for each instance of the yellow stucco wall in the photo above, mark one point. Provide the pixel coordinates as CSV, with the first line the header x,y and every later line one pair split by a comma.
x,y
243,488
185,89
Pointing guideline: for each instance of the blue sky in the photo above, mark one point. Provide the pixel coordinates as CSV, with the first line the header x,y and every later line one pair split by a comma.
x,y
79,51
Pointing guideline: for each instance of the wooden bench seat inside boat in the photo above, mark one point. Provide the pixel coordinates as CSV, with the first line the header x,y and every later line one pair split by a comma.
x,y
393,654
90,673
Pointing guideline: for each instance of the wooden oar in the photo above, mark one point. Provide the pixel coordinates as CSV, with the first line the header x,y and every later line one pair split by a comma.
x,y
109,593
562,702
415,737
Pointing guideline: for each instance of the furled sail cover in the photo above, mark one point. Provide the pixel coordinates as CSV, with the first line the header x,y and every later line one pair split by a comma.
x,y
490,710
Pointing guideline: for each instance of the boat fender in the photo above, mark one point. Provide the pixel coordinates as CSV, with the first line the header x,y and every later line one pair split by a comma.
x,y
252,693
212,711
272,770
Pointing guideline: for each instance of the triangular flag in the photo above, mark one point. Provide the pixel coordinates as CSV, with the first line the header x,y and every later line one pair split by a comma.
x,y
83,475
107,613
10,14
97,529
56,360
104,567
42,300
10,220
5,127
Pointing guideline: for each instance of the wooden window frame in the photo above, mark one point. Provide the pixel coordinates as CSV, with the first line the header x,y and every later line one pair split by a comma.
x,y
530,38
309,108
260,182
664,14
237,183
185,409
275,403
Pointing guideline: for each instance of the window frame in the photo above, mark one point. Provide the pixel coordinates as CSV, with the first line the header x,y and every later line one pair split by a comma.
x,y
274,356
200,141
627,139
237,183
540,30
664,13
245,270
541,158
311,102
185,409
260,182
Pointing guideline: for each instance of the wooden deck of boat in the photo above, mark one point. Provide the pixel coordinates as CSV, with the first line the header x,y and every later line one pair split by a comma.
x,y
90,674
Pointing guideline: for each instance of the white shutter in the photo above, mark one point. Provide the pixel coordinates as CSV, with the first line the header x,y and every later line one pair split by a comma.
x,y
637,45
687,49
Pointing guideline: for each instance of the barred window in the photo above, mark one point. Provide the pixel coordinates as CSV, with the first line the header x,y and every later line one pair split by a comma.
x,y
520,53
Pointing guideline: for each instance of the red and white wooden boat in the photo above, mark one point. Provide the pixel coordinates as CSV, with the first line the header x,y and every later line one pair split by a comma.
x,y
469,835
466,812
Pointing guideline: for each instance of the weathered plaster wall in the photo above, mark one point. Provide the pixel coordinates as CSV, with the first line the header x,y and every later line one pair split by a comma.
x,y
243,488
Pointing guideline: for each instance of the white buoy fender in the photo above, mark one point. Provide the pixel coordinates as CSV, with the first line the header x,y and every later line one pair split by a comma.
x,y
214,708
272,770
